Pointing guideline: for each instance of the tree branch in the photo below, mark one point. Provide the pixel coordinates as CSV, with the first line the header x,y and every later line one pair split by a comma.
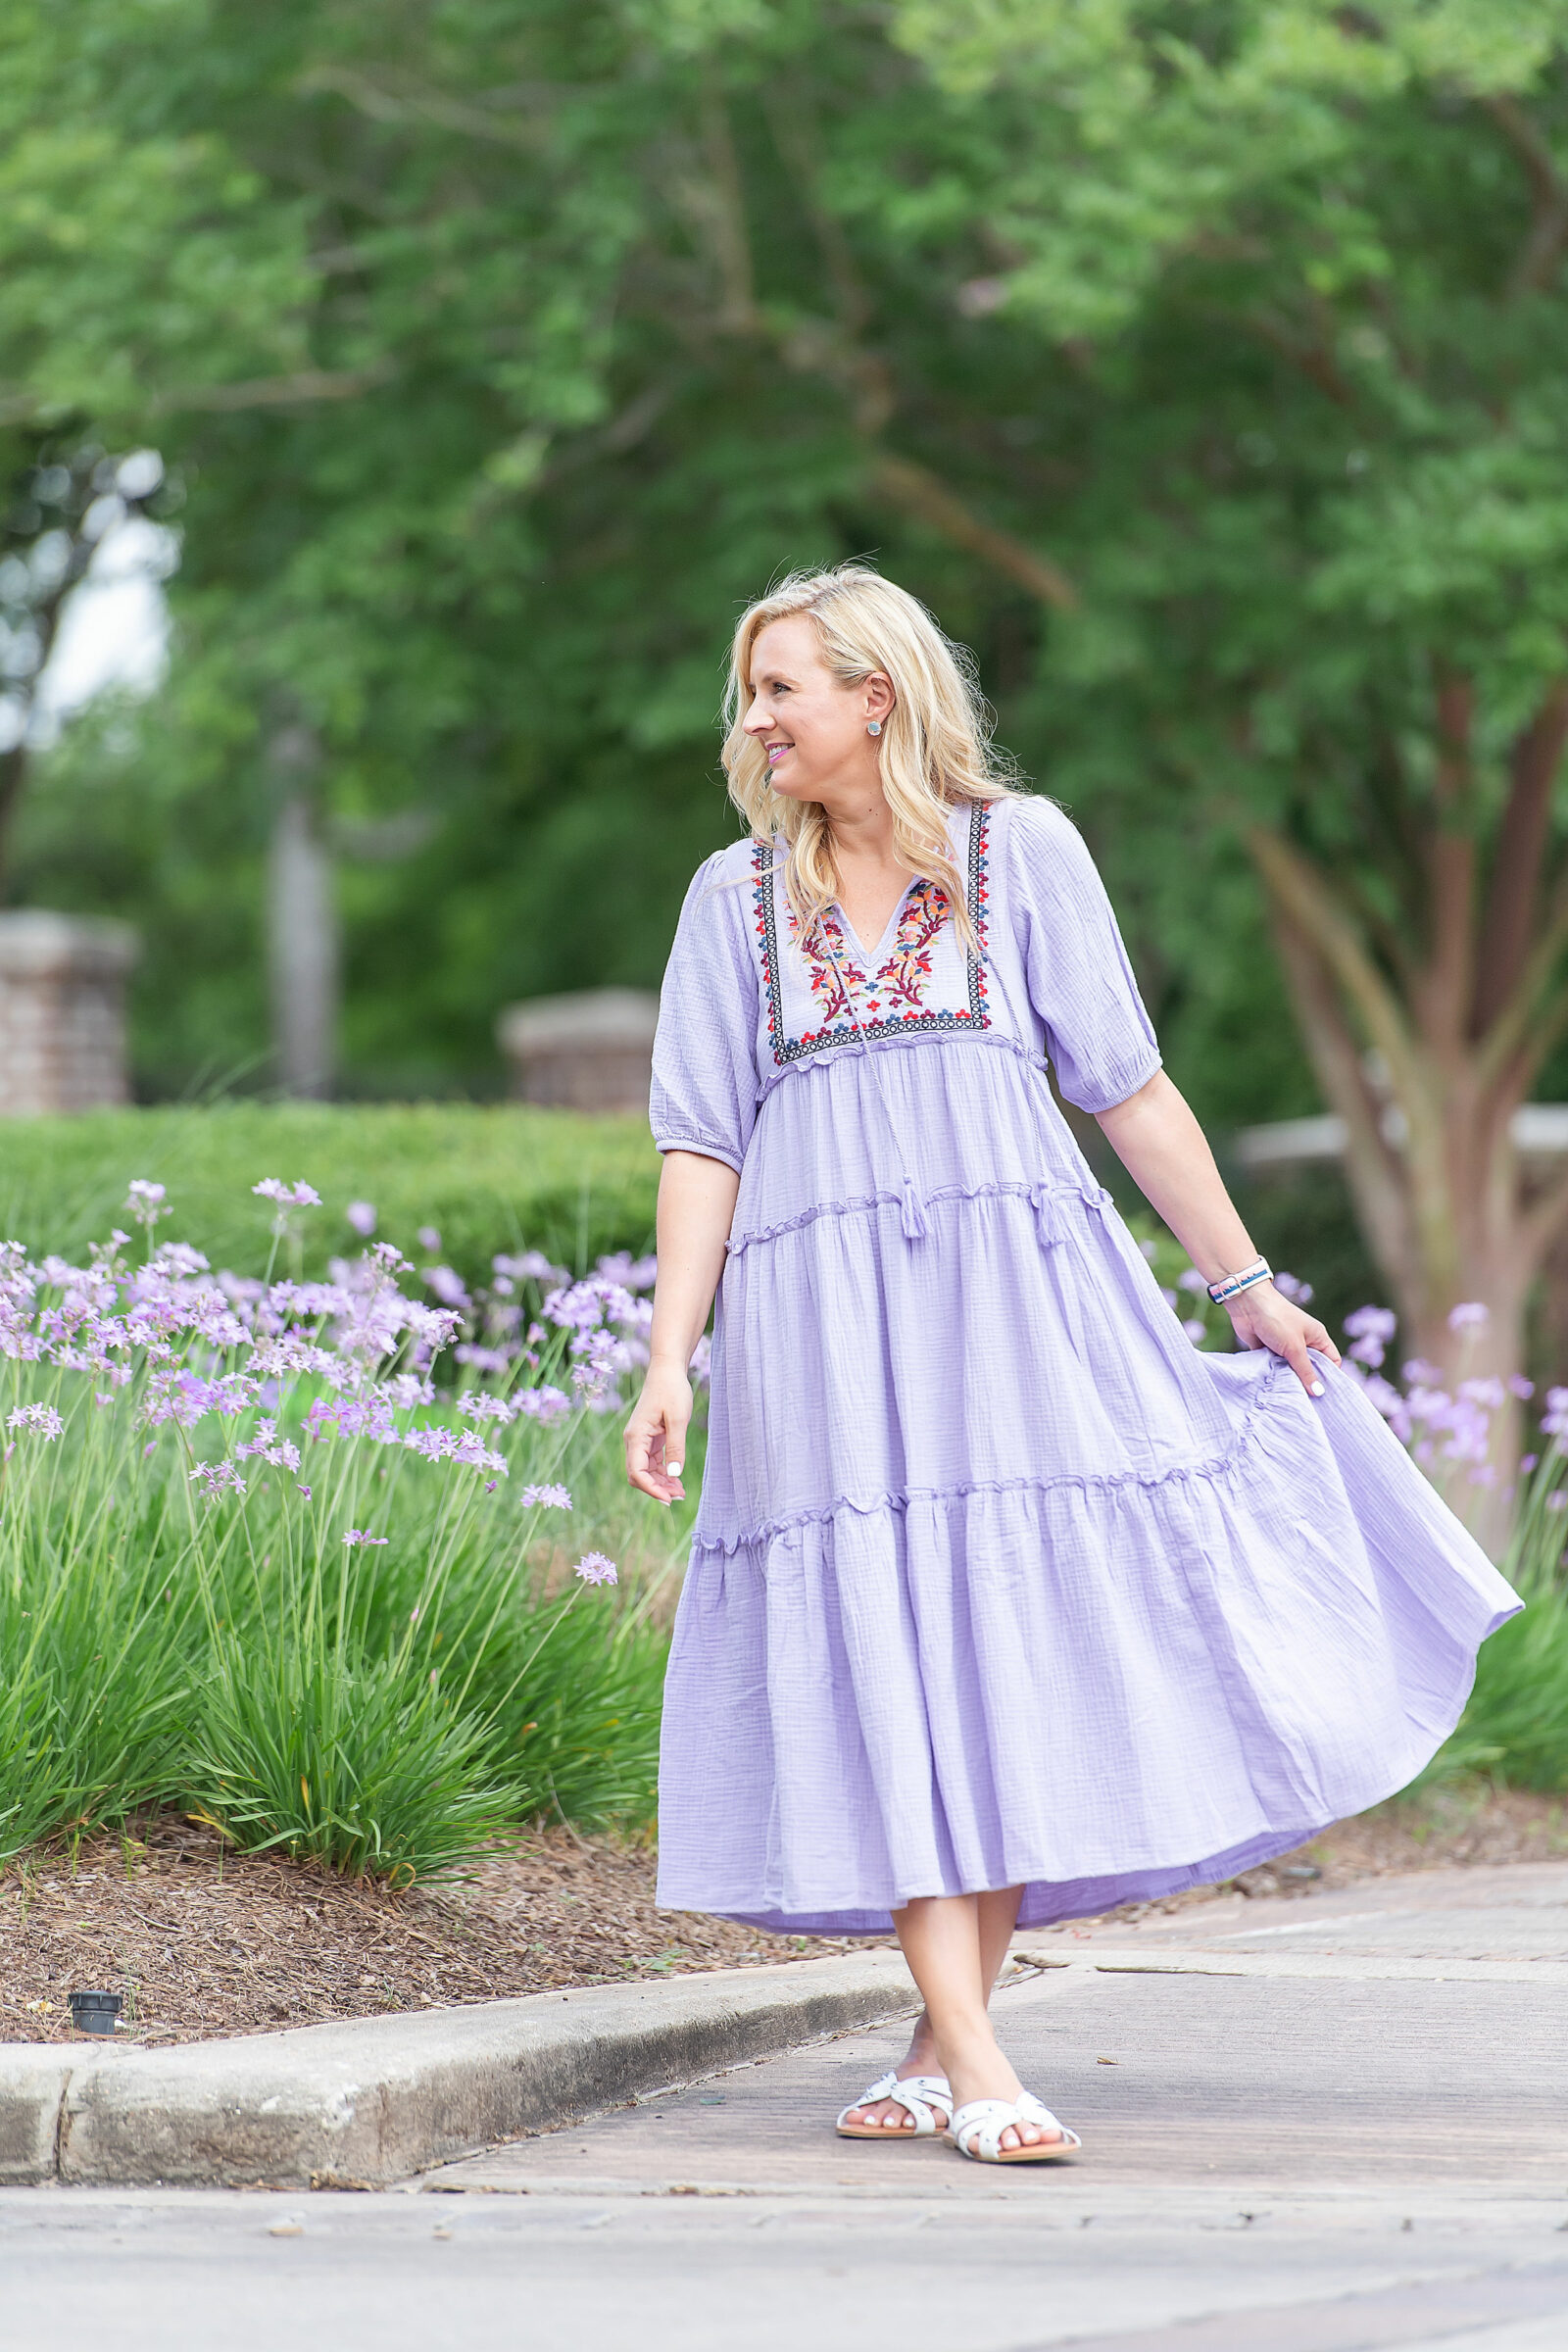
x,y
1519,859
1444,985
276,391
1547,234
1370,1165
1545,1218
916,491
1301,894
381,103
1509,1032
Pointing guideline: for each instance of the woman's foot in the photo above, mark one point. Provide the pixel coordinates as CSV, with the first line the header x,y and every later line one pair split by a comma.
x,y
886,2113
987,2076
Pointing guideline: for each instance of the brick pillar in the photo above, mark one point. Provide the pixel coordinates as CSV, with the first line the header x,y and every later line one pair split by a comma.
x,y
593,1051
62,1013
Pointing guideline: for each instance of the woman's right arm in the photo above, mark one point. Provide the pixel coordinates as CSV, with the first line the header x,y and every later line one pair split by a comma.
x,y
696,1204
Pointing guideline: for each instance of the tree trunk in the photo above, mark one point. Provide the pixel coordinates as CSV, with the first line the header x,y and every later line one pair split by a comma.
x,y
303,951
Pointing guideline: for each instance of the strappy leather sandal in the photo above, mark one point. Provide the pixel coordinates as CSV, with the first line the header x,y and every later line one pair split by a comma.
x,y
977,2127
918,2095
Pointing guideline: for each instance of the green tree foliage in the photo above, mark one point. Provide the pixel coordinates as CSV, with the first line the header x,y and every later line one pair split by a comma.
x,y
497,353
1201,359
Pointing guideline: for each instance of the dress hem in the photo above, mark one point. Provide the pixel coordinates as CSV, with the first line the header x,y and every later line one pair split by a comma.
x,y
1092,1893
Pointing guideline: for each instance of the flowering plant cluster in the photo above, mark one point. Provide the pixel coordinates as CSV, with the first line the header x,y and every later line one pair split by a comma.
x,y
283,1549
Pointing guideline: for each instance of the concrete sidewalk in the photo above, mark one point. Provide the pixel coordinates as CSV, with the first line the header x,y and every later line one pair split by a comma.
x,y
1326,2124
1411,2030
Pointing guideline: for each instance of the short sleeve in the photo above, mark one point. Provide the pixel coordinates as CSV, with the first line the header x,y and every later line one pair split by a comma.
x,y
704,1095
1100,1039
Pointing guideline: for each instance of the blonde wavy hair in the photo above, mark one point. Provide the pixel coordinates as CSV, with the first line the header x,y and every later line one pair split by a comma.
x,y
935,750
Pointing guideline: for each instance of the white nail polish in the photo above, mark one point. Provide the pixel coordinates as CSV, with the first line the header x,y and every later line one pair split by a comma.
x,y
1317,1387
672,1469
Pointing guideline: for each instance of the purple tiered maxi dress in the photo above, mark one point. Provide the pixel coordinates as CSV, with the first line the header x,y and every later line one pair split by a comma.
x,y
996,1579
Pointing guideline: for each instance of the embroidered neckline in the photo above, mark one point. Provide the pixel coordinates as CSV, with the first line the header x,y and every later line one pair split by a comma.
x,y
859,1006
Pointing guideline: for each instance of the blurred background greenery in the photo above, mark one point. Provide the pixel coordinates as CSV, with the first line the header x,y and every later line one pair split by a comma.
x,y
1201,361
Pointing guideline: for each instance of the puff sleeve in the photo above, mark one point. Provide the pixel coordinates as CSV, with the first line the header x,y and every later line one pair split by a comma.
x,y
705,1088
1099,1038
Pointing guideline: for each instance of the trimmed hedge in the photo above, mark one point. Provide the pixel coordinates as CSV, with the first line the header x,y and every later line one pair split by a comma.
x,y
486,1177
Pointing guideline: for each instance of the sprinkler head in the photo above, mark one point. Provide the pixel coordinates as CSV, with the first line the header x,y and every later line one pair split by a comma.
x,y
94,2012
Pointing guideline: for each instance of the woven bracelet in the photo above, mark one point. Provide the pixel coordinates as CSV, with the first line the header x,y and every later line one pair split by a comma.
x,y
1233,1285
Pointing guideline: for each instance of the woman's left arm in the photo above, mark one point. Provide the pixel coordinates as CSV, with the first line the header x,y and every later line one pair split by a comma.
x,y
1166,1153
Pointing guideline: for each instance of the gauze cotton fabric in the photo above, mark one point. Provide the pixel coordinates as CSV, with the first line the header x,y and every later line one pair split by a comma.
x,y
996,1580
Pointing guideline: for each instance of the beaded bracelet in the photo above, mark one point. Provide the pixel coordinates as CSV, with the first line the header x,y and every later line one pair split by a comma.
x,y
1231,1286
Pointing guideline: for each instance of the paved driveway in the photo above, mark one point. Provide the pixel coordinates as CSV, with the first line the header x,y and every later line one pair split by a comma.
x,y
1310,2125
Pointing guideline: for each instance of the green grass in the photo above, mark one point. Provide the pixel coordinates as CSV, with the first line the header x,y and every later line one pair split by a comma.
x,y
1515,1727
382,1707
487,1177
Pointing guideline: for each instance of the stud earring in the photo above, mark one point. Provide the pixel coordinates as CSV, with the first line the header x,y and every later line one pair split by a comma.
x,y
873,727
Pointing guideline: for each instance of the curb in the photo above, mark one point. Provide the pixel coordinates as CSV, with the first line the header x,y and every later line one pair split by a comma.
x,y
371,2101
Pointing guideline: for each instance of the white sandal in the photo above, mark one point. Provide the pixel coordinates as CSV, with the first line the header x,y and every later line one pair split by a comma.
x,y
976,2130
918,2095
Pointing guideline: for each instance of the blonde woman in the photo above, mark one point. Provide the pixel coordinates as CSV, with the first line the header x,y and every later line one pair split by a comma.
x,y
1005,1604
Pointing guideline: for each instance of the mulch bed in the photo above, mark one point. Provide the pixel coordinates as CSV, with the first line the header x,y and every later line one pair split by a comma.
x,y
203,1943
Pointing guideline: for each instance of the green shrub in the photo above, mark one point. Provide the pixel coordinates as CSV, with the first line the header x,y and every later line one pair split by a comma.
x,y
252,1564
488,1178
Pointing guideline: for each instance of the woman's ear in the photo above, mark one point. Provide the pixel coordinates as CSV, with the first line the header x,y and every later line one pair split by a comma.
x,y
879,696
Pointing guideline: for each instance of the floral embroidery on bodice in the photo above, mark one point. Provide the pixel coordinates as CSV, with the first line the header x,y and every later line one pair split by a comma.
x,y
821,992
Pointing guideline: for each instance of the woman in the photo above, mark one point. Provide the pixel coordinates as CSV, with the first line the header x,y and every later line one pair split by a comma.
x,y
1005,1604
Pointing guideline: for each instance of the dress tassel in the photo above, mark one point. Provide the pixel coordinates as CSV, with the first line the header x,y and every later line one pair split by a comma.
x,y
913,1216
1047,1215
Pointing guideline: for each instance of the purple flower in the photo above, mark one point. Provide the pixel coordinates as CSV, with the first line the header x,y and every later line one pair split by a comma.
x,y
1518,1386
1196,1329
1557,1501
593,1569
1367,1349
1422,1375
531,1267
1390,1404
544,1404
1191,1280
428,1238
42,1419
1150,1250
1527,1463
477,1404
550,1498
448,1286
1289,1287
215,1477
1371,1323
630,1273
145,1202
359,1535
288,1196
1468,1316
360,1215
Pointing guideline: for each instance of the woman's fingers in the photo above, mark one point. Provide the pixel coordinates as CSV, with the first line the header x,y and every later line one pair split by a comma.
x,y
655,1454
1318,1340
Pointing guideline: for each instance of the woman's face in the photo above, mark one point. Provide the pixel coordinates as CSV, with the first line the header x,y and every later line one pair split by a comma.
x,y
812,728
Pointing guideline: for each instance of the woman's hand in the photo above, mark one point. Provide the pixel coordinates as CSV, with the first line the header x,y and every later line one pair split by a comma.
x,y
1261,1318
656,1434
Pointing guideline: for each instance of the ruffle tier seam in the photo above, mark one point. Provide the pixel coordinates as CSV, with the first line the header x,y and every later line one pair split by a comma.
x,y
1220,1465
1043,1197
853,1049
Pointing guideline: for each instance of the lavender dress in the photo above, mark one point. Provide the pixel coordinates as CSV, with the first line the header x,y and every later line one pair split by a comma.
x,y
996,1579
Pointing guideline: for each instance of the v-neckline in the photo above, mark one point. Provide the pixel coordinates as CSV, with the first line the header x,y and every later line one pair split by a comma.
x,y
873,956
